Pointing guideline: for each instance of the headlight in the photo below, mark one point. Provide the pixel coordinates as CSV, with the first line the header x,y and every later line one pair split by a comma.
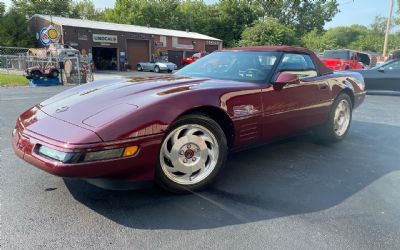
x,y
54,154
78,157
103,155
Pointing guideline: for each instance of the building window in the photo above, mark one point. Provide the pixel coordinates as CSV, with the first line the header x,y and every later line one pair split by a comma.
x,y
174,42
163,40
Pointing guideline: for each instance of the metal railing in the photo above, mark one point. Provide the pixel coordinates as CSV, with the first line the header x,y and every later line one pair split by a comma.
x,y
17,60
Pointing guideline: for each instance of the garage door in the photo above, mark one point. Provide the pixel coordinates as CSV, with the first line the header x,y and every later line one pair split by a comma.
x,y
137,51
190,53
175,57
211,48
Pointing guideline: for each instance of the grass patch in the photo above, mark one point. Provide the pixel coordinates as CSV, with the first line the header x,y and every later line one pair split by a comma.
x,y
12,80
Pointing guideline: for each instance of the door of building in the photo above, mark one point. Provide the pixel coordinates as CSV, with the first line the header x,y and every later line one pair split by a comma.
x,y
137,51
175,57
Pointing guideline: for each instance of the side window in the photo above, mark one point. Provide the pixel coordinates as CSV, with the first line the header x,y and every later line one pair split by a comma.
x,y
393,66
298,64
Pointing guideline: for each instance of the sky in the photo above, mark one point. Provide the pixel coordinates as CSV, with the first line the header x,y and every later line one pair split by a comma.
x,y
351,11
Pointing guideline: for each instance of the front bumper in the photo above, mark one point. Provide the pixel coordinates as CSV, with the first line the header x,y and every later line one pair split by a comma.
x,y
139,167
359,98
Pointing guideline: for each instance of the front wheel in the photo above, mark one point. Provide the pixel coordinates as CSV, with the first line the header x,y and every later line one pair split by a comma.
x,y
36,75
157,69
339,121
192,153
139,67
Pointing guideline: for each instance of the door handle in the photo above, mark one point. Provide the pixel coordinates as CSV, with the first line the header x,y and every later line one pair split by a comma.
x,y
323,86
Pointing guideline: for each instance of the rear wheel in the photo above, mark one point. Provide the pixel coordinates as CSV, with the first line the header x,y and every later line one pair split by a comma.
x,y
139,67
339,121
192,153
54,74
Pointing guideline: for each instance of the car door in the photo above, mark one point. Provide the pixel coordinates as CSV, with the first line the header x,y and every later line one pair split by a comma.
x,y
386,77
295,107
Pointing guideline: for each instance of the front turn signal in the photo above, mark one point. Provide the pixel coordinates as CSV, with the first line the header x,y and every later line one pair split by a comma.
x,y
129,151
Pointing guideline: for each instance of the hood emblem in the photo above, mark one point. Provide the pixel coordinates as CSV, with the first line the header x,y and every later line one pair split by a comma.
x,y
62,109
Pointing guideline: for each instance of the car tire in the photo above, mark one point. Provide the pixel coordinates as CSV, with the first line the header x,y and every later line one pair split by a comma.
x,y
338,124
139,67
169,71
36,75
157,69
192,153
54,74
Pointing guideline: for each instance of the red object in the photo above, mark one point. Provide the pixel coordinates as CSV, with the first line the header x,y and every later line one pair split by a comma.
x,y
193,58
342,59
138,111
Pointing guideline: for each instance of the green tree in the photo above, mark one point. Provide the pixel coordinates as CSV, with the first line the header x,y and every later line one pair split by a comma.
x,y
231,17
268,32
84,9
156,13
317,41
344,36
13,30
194,16
47,7
2,8
303,15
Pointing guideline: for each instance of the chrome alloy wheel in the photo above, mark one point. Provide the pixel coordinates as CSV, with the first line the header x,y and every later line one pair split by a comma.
x,y
342,117
189,154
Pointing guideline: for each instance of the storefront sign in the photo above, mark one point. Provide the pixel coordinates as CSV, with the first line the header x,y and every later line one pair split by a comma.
x,y
99,38
82,37
122,56
158,44
212,42
48,35
184,46
138,36
105,44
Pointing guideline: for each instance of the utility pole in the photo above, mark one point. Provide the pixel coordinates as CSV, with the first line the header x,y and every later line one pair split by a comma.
x,y
389,19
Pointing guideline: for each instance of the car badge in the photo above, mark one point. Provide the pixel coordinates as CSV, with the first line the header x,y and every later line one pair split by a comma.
x,y
62,109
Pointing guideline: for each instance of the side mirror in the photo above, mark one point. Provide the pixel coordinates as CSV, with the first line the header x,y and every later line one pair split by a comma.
x,y
284,78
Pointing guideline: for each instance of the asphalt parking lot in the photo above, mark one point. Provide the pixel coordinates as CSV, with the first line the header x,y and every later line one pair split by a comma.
x,y
295,194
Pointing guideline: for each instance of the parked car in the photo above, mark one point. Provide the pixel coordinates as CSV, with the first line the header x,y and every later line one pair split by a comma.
x,y
156,66
395,54
179,129
383,77
344,59
193,58
62,50
38,72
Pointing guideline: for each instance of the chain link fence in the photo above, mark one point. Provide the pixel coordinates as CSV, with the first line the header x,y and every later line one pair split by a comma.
x,y
73,69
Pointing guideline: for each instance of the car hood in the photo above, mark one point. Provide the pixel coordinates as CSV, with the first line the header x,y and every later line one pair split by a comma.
x,y
166,63
94,105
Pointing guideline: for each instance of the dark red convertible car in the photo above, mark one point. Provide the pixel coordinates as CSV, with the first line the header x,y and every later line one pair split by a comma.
x,y
178,129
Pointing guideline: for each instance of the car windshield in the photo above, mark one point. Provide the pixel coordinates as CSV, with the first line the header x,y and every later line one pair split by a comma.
x,y
249,66
383,65
337,54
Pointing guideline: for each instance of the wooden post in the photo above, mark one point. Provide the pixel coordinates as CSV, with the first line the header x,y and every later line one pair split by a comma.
x,y
389,19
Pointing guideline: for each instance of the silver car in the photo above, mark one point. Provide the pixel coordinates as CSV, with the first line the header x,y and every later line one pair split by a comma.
x,y
156,66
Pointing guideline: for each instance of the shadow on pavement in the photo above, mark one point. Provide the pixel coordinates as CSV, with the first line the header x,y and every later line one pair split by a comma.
x,y
295,176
